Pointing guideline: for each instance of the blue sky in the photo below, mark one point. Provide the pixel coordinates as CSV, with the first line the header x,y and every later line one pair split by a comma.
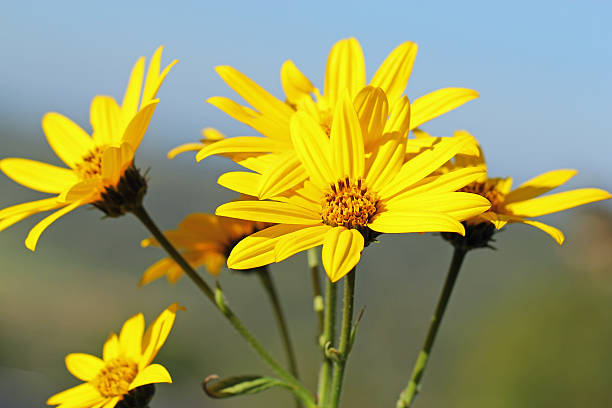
x,y
543,69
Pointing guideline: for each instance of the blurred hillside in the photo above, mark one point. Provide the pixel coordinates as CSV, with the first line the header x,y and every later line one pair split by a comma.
x,y
528,325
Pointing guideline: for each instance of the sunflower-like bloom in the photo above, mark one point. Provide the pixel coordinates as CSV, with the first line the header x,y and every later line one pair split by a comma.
x,y
349,196
125,365
203,239
345,72
97,163
524,202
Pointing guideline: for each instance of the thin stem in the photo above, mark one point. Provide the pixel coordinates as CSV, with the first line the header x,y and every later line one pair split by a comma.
x,y
327,339
410,392
268,284
317,297
218,300
345,338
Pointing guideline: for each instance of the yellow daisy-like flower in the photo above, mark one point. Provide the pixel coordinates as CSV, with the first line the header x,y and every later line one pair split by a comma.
x,y
97,163
348,197
345,72
524,202
202,239
125,364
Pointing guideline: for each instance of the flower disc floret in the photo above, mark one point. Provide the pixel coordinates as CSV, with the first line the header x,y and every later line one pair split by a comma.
x,y
488,190
115,378
349,204
91,164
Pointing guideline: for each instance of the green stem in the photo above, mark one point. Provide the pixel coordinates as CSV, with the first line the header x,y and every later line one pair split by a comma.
x,y
268,284
327,339
216,297
410,392
317,297
345,338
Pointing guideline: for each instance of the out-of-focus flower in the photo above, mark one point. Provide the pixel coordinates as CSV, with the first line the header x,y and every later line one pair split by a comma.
x,y
101,170
349,198
125,365
202,239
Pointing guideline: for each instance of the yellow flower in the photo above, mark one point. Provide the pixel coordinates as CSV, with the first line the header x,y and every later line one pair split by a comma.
x,y
203,239
348,197
126,364
345,72
524,202
97,163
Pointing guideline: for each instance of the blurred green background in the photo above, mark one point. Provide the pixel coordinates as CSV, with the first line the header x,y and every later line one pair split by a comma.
x,y
529,325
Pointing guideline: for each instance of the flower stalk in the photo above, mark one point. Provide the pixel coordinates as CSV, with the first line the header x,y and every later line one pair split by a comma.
x,y
317,297
410,392
218,299
326,340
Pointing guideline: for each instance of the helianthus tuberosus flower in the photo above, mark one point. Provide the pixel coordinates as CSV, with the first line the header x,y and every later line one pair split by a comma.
x,y
345,72
125,364
348,197
524,202
203,239
100,167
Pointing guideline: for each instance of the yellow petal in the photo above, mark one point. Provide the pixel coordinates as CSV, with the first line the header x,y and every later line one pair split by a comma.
x,y
110,403
373,110
212,134
8,221
30,207
187,147
39,228
242,144
152,374
269,211
214,261
345,70
540,185
387,161
154,78
555,233
437,103
415,221
557,202
83,393
66,138
258,249
83,366
313,148
255,95
137,127
111,349
38,176
346,140
106,120
399,117
157,333
393,74
447,182
156,271
295,84
341,251
131,98
458,205
130,338
286,173
114,160
423,164
241,181
300,240
86,190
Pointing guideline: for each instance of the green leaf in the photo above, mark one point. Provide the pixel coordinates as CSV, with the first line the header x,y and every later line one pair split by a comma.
x,y
239,385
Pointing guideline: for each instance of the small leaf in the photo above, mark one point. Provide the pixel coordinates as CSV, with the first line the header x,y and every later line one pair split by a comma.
x,y
239,385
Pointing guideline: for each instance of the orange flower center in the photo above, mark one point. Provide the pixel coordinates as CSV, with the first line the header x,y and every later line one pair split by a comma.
x,y
349,204
115,378
91,164
488,191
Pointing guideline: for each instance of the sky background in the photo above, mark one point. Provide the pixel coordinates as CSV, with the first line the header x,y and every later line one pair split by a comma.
x,y
528,325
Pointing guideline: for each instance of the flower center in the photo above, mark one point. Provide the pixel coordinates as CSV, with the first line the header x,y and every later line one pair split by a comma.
x,y
349,204
91,164
115,378
488,191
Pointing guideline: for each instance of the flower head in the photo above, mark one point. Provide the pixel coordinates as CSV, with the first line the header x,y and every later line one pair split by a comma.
x,y
97,164
518,205
203,239
125,364
350,196
345,72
